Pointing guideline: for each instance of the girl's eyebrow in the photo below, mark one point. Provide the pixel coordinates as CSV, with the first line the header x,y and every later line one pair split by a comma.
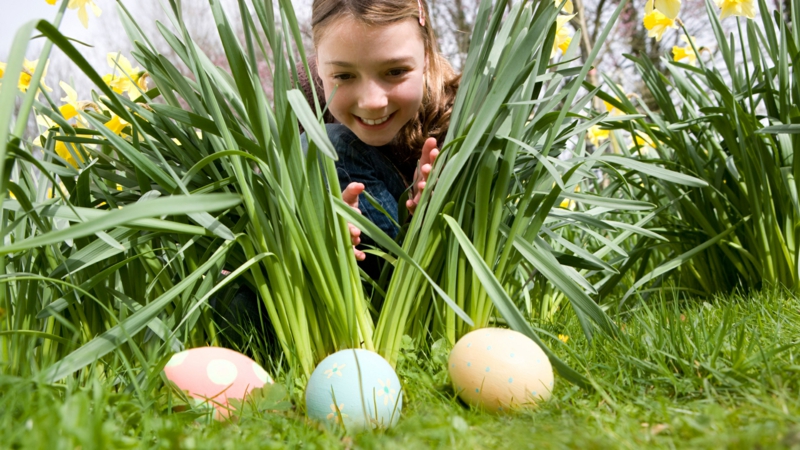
x,y
387,62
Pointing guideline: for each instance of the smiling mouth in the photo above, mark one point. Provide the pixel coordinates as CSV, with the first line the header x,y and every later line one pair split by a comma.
x,y
375,122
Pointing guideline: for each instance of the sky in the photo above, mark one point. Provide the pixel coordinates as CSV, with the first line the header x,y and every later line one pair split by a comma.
x,y
17,13
104,33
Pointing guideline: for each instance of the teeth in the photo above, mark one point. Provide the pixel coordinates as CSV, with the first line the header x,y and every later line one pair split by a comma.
x,y
375,122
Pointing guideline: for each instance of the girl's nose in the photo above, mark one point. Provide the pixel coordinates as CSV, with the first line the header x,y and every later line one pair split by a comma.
x,y
373,96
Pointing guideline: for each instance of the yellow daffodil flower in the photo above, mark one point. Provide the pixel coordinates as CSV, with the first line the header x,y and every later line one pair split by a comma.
x,y
45,121
597,134
28,69
669,8
72,106
640,141
643,141
81,5
70,109
125,78
656,22
61,190
679,53
644,145
52,2
116,124
743,8
568,8
563,37
565,45
567,203
613,110
64,153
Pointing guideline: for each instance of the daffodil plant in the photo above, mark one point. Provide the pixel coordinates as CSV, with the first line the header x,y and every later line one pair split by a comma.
x,y
213,180
727,119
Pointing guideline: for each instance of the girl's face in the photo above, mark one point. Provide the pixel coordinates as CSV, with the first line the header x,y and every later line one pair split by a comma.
x,y
379,74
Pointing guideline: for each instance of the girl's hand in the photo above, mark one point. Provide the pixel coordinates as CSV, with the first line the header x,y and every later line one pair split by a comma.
x,y
429,154
350,196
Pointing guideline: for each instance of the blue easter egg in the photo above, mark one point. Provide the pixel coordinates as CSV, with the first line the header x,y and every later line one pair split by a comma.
x,y
356,388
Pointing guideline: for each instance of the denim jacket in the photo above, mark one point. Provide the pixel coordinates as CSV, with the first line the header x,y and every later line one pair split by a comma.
x,y
362,163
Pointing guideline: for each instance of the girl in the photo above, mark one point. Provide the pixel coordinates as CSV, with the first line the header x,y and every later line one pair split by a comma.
x,y
393,96
390,111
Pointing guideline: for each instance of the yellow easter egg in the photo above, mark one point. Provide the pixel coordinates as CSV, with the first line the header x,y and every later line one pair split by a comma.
x,y
498,369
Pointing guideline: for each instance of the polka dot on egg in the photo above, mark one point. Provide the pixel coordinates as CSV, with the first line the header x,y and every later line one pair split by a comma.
x,y
477,390
511,380
453,365
221,371
489,347
469,364
512,355
261,374
487,369
177,359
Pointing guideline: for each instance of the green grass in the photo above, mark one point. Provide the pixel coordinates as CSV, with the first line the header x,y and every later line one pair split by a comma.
x,y
684,374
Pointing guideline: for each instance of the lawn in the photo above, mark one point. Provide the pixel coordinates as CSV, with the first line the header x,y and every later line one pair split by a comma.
x,y
683,374
613,236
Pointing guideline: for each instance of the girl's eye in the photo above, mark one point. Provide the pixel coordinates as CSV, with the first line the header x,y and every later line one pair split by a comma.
x,y
397,72
342,76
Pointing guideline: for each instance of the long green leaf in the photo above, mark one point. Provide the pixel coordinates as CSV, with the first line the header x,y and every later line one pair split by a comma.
x,y
676,262
505,306
154,208
385,241
119,334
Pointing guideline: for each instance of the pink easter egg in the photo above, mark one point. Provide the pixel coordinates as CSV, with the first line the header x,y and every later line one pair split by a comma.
x,y
215,374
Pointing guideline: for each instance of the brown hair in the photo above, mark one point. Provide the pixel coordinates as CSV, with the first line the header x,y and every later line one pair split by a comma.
x,y
441,81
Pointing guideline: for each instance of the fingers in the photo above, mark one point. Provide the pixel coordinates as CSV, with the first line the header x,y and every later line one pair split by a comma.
x,y
429,154
434,153
425,171
427,148
360,256
350,196
411,205
355,239
426,160
355,234
351,193
420,186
